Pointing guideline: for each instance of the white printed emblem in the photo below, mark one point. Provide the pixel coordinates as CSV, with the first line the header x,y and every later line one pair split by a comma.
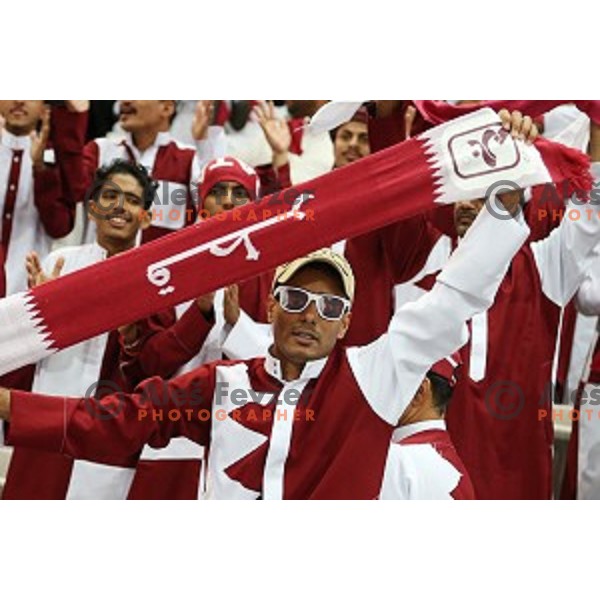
x,y
159,274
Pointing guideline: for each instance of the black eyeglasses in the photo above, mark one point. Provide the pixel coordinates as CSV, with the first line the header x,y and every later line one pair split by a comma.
x,y
295,300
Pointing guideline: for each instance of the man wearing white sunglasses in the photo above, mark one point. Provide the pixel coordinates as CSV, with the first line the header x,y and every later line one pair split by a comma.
x,y
311,419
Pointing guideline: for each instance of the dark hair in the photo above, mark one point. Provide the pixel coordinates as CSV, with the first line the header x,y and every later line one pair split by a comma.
x,y
175,110
137,171
441,391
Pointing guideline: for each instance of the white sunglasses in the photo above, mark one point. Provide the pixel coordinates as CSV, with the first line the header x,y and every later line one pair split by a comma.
x,y
329,306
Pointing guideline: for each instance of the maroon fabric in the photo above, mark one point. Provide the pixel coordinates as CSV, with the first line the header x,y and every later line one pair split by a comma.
x,y
567,333
296,127
159,272
504,444
337,437
67,135
436,112
37,475
10,198
164,344
173,164
387,131
285,239
229,168
166,480
273,180
167,343
2,273
19,379
56,210
381,259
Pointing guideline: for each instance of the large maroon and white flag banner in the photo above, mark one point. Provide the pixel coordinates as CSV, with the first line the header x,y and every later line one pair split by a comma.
x,y
437,112
333,114
459,160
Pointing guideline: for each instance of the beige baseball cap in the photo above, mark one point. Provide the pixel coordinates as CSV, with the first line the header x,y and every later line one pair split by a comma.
x,y
286,271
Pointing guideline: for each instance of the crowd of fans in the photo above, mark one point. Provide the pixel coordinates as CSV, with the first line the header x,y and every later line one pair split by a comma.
x,y
82,182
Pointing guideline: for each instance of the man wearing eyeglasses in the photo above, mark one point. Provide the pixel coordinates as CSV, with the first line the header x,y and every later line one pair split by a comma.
x,y
296,423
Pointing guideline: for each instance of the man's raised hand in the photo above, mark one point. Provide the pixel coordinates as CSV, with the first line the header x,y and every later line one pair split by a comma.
x,y
35,273
39,140
520,127
203,117
276,130
77,105
231,304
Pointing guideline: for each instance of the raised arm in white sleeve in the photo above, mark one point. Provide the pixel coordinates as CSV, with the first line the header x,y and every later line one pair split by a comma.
x,y
247,338
390,370
562,258
212,146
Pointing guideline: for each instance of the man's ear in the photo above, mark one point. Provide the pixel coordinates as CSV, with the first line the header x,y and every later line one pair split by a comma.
x,y
91,210
422,393
271,302
145,219
169,108
345,325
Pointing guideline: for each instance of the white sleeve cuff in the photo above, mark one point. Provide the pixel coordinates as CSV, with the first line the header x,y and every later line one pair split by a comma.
x,y
485,253
213,146
247,339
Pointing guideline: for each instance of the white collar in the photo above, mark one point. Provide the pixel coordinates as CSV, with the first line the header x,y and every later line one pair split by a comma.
x,y
15,142
312,369
162,139
405,431
97,249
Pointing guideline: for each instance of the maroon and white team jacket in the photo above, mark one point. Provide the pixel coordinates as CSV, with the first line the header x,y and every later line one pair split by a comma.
x,y
34,208
323,435
423,464
176,342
